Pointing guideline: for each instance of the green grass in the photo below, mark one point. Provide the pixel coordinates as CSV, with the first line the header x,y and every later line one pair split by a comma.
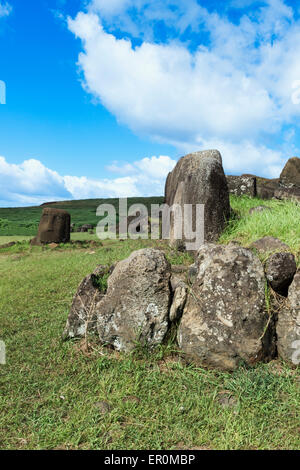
x,y
24,220
50,390
20,238
282,222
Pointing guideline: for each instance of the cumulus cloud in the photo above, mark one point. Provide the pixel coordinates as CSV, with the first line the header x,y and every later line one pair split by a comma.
x,y
5,9
157,167
234,86
31,183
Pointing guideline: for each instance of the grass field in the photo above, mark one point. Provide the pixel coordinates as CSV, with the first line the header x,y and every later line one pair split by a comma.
x,y
25,220
57,395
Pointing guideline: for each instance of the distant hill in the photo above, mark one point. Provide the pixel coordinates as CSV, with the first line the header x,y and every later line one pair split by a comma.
x,y
25,220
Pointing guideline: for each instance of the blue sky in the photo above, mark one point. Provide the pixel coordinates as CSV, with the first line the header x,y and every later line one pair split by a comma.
x,y
103,97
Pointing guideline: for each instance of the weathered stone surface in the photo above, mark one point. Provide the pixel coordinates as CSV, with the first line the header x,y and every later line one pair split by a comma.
x,y
54,227
180,290
199,178
288,194
136,305
258,209
290,175
242,185
265,188
225,320
269,244
193,271
280,271
82,318
288,325
287,187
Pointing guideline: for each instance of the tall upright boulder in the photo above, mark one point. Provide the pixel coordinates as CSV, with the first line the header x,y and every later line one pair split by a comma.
x,y
54,227
198,178
290,175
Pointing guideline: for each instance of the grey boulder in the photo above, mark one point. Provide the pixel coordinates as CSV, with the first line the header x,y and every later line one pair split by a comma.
x,y
225,321
290,175
198,178
268,245
135,308
288,325
280,270
82,318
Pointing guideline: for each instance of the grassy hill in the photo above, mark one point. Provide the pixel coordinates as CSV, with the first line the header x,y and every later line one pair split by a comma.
x,y
282,221
25,220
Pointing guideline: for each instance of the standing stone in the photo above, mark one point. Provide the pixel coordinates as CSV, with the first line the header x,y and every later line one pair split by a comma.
x,y
224,321
135,308
198,178
288,325
290,175
54,227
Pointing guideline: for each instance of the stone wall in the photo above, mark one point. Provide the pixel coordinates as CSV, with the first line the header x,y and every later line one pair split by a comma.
x,y
285,187
218,305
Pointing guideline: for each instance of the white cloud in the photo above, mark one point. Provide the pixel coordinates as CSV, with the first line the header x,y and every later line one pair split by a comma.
x,y
245,157
5,9
157,167
84,188
31,183
236,89
111,7
164,90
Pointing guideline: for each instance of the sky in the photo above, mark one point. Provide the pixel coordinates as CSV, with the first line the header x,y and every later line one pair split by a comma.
x,y
101,98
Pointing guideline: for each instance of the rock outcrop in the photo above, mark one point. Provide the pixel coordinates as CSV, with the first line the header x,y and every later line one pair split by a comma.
x,y
199,178
54,227
225,322
288,325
